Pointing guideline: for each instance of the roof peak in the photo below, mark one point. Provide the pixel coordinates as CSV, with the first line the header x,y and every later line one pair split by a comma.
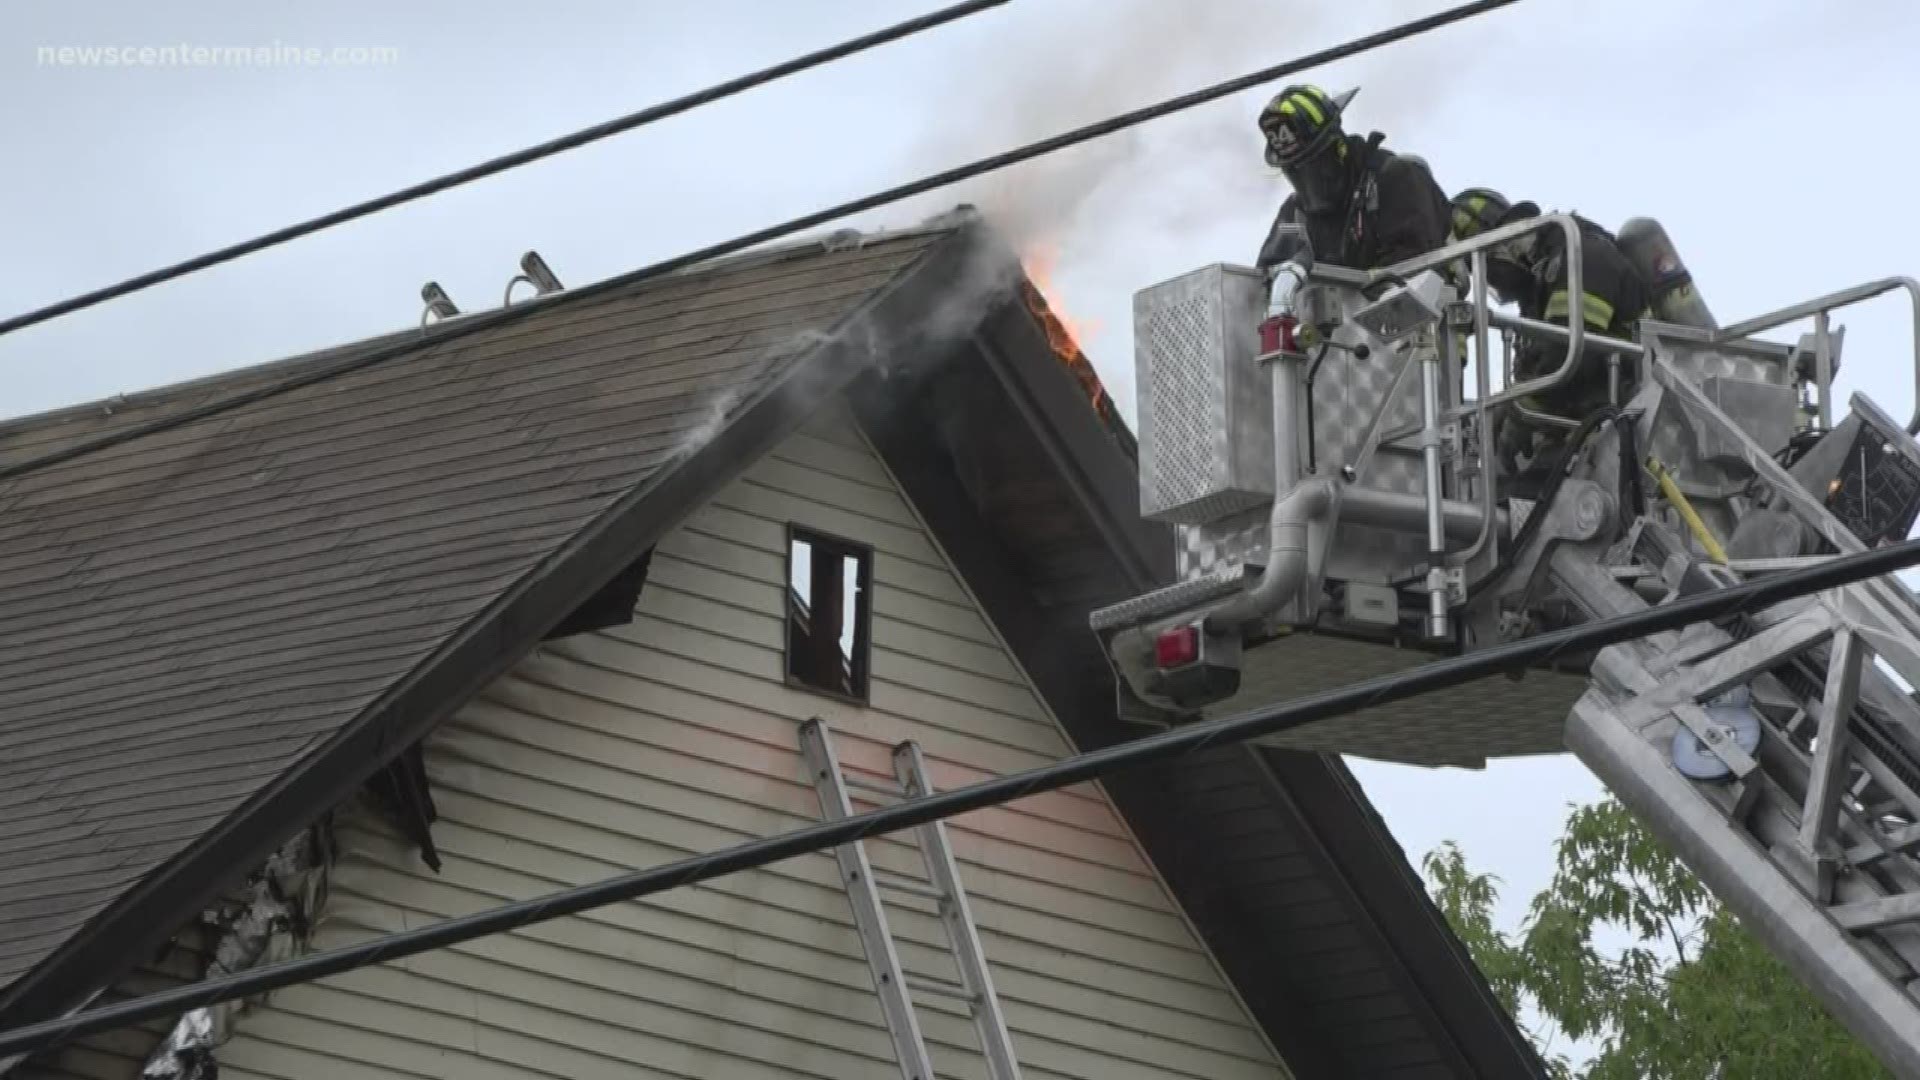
x,y
104,408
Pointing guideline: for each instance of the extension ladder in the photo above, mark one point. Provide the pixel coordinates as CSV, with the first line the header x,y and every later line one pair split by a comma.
x,y
891,982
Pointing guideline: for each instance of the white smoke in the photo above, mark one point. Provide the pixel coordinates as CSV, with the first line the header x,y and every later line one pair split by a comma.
x,y
859,337
1120,212
713,419
1141,205
1093,60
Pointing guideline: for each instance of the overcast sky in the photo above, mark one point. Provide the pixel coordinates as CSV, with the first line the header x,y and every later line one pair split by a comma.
x,y
1773,138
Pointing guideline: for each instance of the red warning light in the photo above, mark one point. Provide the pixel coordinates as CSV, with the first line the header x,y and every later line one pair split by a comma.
x,y
1177,647
1277,334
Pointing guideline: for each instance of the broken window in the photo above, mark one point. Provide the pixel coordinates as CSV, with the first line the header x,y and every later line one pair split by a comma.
x,y
829,612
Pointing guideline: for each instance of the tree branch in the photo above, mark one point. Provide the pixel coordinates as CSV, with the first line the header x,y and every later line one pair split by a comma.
x,y
1640,890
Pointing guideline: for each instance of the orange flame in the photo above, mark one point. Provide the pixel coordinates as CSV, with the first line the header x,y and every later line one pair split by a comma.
x,y
1063,332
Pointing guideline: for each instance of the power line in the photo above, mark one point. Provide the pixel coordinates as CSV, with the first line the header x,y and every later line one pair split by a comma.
x,y
503,163
1427,678
501,316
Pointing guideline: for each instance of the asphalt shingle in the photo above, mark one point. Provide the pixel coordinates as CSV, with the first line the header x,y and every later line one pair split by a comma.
x,y
184,616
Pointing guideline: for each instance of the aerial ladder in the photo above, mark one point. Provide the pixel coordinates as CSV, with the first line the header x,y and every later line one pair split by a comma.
x,y
1311,434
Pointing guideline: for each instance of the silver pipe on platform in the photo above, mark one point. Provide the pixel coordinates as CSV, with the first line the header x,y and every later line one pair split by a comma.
x,y
1437,621
1297,503
1406,513
1483,386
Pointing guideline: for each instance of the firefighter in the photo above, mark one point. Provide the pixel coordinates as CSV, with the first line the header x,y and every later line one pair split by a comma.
x,y
1364,207
1530,272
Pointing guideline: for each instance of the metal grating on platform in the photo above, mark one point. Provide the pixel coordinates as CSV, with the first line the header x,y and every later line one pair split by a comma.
x,y
1466,726
1170,600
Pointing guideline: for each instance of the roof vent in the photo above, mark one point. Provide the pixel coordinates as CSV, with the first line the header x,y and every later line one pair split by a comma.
x,y
959,217
534,271
439,304
843,240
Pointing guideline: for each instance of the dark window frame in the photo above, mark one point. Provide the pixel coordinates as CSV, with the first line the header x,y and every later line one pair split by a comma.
x,y
861,662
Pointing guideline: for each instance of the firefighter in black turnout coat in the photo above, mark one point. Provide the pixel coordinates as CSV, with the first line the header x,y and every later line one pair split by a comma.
x,y
1363,206
1530,272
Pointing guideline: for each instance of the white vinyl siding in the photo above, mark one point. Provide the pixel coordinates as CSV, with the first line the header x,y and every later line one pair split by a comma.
x,y
675,735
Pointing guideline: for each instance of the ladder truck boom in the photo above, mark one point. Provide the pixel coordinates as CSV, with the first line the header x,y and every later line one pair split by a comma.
x,y
1340,514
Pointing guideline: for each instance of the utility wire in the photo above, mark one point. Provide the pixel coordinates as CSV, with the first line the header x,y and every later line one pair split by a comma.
x,y
501,316
1427,678
502,164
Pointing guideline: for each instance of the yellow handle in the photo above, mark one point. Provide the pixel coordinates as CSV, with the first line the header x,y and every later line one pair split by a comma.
x,y
1688,514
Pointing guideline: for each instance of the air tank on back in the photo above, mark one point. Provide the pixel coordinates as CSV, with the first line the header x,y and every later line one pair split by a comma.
x,y
1675,299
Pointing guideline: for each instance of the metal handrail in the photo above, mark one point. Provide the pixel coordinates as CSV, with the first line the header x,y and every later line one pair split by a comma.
x,y
1557,332
1574,332
1482,343
1577,334
1824,305
1554,331
1542,419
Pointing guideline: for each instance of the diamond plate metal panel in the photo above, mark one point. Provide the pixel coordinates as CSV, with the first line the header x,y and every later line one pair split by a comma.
x,y
1759,401
1205,407
1700,362
1346,393
1764,411
1206,549
1358,552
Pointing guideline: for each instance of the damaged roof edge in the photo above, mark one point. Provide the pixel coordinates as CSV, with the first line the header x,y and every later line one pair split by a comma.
x,y
147,915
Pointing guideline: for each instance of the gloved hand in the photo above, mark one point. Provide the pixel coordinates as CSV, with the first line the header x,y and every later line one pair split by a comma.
x,y
1511,438
1530,361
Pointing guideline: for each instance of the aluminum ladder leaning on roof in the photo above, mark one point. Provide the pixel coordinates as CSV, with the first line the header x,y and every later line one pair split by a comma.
x,y
863,885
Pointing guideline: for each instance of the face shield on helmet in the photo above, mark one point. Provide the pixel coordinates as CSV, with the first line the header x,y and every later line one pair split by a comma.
x,y
1301,126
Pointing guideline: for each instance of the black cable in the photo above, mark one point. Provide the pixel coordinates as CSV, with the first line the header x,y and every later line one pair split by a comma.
x,y
1633,493
500,316
1439,675
503,163
1313,368
1797,447
1562,464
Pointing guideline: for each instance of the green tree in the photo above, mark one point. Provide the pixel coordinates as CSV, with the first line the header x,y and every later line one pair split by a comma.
x,y
1690,996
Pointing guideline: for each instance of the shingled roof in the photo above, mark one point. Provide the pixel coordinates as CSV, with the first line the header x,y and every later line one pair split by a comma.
x,y
189,614
212,631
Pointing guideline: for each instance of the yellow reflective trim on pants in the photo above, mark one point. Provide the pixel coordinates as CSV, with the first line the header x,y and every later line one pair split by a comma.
x,y
1594,310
